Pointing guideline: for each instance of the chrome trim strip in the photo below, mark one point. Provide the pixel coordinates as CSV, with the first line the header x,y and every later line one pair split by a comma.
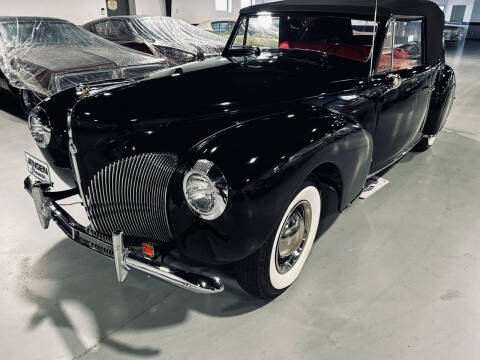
x,y
131,194
73,152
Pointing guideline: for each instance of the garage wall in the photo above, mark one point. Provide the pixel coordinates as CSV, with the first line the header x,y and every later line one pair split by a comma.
x,y
476,12
78,12
150,7
474,28
198,11
450,3
195,12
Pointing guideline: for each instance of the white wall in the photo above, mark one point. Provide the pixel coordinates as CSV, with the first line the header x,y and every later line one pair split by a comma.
x,y
198,11
469,13
476,12
151,7
78,12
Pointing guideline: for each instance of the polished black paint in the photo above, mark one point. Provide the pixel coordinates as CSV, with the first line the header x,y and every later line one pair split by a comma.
x,y
442,100
269,121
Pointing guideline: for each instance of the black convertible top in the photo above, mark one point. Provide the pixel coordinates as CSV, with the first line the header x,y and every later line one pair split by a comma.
x,y
434,16
386,8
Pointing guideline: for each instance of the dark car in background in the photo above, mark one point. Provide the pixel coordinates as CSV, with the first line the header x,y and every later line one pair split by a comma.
x,y
175,40
43,56
253,165
454,33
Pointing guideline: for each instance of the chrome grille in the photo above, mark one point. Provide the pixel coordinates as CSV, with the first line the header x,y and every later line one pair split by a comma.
x,y
131,195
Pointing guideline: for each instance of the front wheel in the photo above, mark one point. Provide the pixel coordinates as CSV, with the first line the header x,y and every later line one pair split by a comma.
x,y
277,264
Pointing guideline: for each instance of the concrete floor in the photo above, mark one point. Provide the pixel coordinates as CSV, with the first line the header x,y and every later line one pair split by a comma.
x,y
396,277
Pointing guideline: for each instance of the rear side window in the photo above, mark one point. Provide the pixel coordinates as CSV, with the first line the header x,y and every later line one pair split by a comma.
x,y
99,28
115,30
403,46
221,27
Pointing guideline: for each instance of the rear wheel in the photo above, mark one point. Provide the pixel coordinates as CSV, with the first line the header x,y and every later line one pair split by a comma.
x,y
425,143
277,264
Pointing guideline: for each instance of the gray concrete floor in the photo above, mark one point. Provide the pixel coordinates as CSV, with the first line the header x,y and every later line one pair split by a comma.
x,y
396,277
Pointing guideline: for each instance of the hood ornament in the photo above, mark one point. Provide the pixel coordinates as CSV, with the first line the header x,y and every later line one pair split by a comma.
x,y
82,90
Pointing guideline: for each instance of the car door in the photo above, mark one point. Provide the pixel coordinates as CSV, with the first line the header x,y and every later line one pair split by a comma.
x,y
403,105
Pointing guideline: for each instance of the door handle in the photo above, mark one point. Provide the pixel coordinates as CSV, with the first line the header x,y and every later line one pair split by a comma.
x,y
394,80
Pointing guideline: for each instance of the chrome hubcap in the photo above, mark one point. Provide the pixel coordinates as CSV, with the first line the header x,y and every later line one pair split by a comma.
x,y
293,236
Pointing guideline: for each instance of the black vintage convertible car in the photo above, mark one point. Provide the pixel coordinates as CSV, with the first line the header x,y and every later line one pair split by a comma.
x,y
172,39
308,100
42,56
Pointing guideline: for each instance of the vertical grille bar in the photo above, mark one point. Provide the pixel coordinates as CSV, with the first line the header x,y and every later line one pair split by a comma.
x,y
131,195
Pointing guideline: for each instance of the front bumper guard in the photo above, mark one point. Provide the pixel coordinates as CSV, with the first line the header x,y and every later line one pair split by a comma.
x,y
125,259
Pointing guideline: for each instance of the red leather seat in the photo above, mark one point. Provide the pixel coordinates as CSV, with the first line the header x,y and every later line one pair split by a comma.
x,y
401,59
340,50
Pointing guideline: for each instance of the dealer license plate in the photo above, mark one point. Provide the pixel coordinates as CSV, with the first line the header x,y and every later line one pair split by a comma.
x,y
38,168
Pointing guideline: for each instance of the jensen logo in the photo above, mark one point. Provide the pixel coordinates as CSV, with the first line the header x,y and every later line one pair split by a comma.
x,y
38,167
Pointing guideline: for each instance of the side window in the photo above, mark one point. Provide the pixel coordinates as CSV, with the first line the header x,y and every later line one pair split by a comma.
x,y
407,44
118,30
220,27
402,47
99,28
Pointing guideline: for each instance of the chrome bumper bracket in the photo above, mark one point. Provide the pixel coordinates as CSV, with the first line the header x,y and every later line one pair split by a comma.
x,y
120,256
41,204
113,247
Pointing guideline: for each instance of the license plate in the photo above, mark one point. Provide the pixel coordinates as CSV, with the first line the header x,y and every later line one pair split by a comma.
x,y
38,168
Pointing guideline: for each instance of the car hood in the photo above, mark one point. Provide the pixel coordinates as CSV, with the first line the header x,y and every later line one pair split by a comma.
x,y
194,101
60,59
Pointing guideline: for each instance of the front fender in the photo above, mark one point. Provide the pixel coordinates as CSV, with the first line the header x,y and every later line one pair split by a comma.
x,y
265,160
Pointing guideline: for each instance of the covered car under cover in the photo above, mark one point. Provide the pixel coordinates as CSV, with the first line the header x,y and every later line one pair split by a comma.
x,y
46,56
174,39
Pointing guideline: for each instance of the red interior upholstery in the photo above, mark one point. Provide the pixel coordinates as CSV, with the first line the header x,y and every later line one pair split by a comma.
x,y
340,50
401,57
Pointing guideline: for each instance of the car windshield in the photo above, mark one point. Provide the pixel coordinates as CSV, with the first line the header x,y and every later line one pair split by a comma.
x,y
341,36
41,32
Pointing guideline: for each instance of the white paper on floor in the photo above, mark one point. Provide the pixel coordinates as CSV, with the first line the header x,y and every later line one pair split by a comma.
x,y
373,184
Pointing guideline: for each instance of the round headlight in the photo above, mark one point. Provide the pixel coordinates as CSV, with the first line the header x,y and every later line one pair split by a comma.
x,y
39,126
206,190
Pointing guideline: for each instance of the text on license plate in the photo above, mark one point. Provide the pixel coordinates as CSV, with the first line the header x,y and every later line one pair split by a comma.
x,y
38,168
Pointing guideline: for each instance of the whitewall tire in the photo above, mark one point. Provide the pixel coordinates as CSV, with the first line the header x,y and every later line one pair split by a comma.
x,y
278,263
280,280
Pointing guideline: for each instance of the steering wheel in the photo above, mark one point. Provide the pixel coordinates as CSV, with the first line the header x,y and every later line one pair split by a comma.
x,y
336,45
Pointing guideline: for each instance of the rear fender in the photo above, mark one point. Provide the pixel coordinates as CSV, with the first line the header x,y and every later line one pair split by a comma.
x,y
441,101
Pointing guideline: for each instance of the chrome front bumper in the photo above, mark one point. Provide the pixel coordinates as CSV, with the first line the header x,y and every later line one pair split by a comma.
x,y
113,247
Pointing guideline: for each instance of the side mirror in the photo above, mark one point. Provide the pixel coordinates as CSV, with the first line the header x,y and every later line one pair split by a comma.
x,y
394,80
